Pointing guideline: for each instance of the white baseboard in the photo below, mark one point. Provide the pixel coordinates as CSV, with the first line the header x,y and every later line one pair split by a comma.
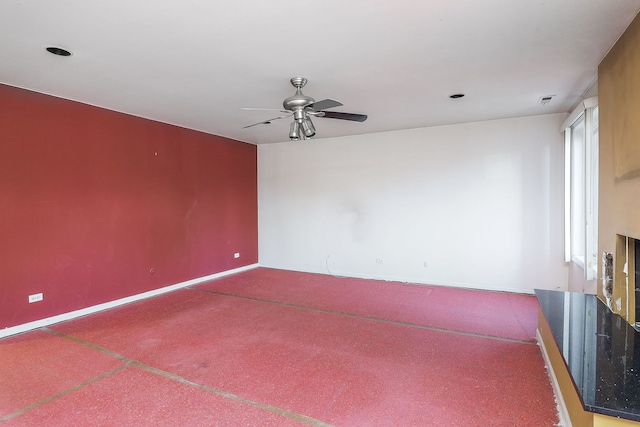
x,y
563,413
111,304
410,280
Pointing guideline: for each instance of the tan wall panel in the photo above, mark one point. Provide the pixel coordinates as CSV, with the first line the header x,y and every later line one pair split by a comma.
x,y
619,101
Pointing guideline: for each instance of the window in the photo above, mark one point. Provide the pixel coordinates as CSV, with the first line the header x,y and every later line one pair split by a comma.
x,y
581,187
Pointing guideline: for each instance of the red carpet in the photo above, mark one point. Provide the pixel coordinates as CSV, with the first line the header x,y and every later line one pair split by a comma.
x,y
271,347
499,314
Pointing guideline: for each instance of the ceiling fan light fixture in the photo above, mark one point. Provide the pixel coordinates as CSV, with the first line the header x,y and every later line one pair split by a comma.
x,y
308,128
294,132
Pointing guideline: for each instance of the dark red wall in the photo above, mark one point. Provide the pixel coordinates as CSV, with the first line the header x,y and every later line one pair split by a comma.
x,y
97,205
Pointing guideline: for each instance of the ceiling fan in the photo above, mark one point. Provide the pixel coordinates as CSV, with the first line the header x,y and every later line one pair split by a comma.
x,y
301,107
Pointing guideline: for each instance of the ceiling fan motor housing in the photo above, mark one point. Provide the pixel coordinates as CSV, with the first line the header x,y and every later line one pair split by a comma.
x,y
297,101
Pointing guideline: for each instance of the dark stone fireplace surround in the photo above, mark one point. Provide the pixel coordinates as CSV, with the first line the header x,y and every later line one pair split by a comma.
x,y
600,349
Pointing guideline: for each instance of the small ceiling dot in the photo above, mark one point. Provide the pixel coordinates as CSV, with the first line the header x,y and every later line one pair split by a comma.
x,y
58,51
456,95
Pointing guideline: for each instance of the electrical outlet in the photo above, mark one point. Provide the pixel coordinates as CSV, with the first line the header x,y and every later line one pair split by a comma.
x,y
35,297
236,255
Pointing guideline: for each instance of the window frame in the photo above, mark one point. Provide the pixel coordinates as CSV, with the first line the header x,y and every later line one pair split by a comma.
x,y
585,174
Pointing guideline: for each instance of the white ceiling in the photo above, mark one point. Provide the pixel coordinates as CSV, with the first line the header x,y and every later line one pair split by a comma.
x,y
195,63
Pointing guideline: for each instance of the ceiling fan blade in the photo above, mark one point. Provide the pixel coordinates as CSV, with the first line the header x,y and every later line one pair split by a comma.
x,y
344,116
263,109
324,104
267,121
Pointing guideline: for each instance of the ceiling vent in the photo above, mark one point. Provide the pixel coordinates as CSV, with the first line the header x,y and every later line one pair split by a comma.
x,y
544,100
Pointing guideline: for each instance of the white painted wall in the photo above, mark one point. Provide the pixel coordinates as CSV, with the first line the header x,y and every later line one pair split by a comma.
x,y
480,203
577,281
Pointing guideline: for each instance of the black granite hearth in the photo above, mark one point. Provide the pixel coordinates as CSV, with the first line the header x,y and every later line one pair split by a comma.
x,y
601,351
